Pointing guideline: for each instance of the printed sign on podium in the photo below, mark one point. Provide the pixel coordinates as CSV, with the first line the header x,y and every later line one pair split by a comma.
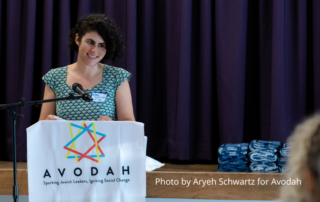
x,y
85,161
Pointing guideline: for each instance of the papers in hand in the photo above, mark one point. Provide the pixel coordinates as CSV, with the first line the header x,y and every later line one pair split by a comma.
x,y
58,118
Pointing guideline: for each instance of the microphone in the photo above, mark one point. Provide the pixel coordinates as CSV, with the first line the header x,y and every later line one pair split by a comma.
x,y
76,87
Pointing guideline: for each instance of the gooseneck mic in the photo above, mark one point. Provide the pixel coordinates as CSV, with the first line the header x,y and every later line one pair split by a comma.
x,y
76,87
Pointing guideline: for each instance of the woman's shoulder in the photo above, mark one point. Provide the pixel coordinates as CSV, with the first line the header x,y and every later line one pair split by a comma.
x,y
115,70
112,68
117,75
59,71
54,77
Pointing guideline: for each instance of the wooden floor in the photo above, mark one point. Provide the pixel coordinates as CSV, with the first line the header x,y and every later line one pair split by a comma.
x,y
171,181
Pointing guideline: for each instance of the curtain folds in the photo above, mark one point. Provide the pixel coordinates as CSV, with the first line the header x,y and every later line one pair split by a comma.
x,y
204,72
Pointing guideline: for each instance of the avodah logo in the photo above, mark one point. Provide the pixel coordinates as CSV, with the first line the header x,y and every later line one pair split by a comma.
x,y
84,131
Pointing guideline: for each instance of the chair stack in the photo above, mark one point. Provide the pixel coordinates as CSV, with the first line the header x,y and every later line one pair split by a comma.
x,y
233,157
284,154
263,156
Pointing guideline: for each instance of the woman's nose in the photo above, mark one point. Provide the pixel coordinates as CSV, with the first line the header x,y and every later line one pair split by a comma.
x,y
94,48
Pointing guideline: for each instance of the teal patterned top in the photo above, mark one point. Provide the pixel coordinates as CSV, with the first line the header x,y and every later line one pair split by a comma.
x,y
78,109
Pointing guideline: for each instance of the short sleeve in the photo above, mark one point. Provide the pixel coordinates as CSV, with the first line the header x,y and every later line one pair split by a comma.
x,y
122,75
49,79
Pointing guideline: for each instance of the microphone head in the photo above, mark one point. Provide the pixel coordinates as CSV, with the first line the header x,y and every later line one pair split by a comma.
x,y
76,85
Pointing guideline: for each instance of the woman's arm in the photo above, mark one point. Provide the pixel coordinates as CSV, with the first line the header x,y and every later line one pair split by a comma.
x,y
48,110
124,102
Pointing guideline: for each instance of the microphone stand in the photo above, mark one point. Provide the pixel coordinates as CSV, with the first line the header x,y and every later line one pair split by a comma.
x,y
13,111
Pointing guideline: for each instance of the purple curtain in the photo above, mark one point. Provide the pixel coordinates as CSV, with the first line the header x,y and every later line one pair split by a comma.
x,y
204,72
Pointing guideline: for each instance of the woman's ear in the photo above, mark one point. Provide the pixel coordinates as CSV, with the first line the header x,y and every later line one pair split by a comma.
x,y
76,39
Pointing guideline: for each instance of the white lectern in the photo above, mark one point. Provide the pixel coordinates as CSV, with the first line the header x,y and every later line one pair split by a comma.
x,y
85,161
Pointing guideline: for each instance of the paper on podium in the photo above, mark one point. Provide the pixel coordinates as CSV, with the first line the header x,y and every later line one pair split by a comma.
x,y
85,161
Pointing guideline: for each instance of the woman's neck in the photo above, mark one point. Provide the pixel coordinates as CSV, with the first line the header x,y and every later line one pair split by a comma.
x,y
85,70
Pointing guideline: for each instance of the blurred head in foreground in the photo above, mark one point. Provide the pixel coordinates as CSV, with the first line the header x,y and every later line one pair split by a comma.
x,y
304,162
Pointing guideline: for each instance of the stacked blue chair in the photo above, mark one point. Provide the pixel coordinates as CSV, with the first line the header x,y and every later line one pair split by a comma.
x,y
263,156
284,153
233,157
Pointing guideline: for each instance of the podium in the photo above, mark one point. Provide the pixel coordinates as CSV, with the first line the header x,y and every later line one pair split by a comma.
x,y
85,161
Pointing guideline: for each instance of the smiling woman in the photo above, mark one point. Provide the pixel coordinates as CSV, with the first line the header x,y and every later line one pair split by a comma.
x,y
94,37
91,48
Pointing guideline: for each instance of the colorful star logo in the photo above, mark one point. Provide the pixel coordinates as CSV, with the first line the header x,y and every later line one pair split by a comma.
x,y
82,130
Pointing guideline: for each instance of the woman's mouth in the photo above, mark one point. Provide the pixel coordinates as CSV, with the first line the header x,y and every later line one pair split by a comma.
x,y
92,56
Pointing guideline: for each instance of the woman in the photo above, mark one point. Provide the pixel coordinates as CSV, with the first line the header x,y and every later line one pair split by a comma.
x,y
304,162
94,37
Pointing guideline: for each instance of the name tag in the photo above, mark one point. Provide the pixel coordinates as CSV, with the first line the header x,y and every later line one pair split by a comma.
x,y
99,97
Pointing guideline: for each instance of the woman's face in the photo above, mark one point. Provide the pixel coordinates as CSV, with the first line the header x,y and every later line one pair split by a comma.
x,y
92,48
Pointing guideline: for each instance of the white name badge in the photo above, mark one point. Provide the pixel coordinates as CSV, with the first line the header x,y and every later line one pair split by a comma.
x,y
99,97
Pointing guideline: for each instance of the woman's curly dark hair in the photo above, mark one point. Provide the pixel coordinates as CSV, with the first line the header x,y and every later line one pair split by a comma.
x,y
106,29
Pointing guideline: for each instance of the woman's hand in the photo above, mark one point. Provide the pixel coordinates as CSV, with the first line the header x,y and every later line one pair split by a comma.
x,y
105,118
51,117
